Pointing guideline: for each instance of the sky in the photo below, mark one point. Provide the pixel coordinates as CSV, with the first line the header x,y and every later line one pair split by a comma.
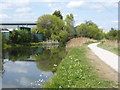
x,y
102,12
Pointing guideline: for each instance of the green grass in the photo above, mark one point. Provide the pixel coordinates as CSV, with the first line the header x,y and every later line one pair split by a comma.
x,y
5,46
109,48
76,72
90,42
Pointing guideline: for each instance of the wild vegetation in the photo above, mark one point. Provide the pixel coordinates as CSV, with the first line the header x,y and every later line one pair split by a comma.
x,y
112,34
90,30
53,27
111,41
110,45
75,72
77,42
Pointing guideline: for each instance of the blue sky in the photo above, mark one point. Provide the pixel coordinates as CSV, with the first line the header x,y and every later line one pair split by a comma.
x,y
102,12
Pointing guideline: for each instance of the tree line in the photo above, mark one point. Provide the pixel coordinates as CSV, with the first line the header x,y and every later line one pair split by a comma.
x,y
54,27
113,34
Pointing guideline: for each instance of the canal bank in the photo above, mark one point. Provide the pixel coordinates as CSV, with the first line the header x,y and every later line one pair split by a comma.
x,y
30,67
35,44
75,71
51,67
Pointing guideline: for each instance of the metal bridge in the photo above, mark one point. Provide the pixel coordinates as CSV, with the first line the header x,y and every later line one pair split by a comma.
x,y
18,23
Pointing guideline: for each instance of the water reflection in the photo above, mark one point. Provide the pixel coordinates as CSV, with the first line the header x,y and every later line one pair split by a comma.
x,y
30,67
49,60
21,53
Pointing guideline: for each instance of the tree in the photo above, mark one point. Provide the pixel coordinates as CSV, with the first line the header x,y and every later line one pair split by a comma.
x,y
51,56
63,36
112,34
20,36
34,30
90,30
50,26
69,20
82,30
58,14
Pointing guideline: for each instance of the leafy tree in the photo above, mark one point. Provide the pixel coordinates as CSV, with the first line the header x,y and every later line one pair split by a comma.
x,y
119,36
69,20
112,34
4,39
112,29
82,30
46,60
20,36
63,36
90,23
90,30
58,14
34,30
50,26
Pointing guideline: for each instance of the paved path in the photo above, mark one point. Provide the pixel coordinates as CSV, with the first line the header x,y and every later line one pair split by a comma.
x,y
107,57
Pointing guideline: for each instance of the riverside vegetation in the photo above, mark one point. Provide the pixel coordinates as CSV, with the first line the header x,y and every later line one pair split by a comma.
x,y
110,45
74,70
53,27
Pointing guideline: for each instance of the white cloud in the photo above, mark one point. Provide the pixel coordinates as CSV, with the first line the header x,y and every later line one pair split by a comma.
x,y
105,31
22,63
99,5
100,27
17,2
25,81
107,3
112,1
26,15
57,6
25,9
50,0
116,21
5,6
75,4
76,24
3,16
27,1
11,4
11,68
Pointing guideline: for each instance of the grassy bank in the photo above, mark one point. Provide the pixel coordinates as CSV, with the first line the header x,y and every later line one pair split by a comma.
x,y
76,72
111,46
20,45
5,46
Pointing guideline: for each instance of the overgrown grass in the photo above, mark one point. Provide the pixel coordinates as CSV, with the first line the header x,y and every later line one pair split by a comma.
x,y
90,42
27,44
75,72
110,47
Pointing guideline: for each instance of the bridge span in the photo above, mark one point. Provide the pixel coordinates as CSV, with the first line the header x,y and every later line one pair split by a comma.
x,y
18,23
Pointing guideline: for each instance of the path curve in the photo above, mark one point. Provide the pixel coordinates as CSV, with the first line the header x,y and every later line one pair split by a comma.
x,y
107,57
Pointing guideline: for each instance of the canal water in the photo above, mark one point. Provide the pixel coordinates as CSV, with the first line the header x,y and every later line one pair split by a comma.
x,y
30,67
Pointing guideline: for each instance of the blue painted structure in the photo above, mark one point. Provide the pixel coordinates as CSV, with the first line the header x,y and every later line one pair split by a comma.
x,y
25,28
6,34
39,36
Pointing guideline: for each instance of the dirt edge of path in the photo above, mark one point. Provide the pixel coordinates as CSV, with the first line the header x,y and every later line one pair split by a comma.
x,y
103,70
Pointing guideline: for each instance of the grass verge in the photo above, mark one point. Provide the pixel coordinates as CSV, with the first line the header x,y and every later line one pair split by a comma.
x,y
37,44
76,72
109,48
